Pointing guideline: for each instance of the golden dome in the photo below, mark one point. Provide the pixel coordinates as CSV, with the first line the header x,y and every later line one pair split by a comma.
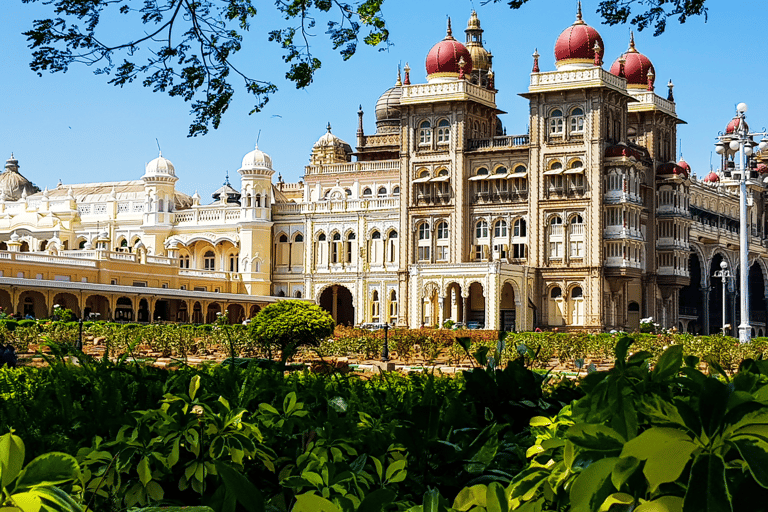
x,y
474,22
481,58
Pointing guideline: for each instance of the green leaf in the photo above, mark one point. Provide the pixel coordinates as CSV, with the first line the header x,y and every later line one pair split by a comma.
x,y
11,458
469,497
540,421
145,475
663,504
622,347
666,452
755,454
310,502
433,502
707,490
240,487
669,363
592,486
496,498
27,501
623,470
289,403
194,385
617,498
396,471
377,500
155,491
595,437
48,469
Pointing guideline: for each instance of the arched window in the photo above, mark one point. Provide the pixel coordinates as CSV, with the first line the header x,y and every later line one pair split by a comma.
x,y
209,261
482,171
336,248
424,242
367,192
234,263
349,247
443,132
481,229
556,122
392,246
556,237
501,170
556,292
298,238
184,261
375,318
396,191
442,230
577,121
283,239
348,193
519,230
520,169
500,228
577,293
393,307
297,294
321,238
382,191
425,133
375,235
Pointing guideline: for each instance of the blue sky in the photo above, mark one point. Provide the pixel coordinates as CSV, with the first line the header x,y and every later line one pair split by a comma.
x,y
77,128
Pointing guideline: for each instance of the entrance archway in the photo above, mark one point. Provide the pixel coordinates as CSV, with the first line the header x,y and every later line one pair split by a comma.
x,y
476,305
691,304
67,301
162,309
235,313
32,304
556,307
211,314
453,304
507,308
337,300
254,310
98,305
197,313
633,316
716,319
143,313
5,302
124,310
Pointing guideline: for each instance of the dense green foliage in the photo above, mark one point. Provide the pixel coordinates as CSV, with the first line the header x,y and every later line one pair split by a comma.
x,y
290,324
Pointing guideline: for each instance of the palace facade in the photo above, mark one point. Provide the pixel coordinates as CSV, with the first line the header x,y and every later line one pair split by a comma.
x,y
584,223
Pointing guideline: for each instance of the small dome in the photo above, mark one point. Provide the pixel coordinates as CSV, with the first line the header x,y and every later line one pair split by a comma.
x,y
481,58
330,140
256,159
388,105
160,166
443,59
712,177
636,67
734,125
684,165
12,184
762,168
575,47
671,169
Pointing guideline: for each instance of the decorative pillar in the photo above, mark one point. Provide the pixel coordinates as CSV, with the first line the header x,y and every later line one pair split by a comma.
x,y
465,308
705,314
441,310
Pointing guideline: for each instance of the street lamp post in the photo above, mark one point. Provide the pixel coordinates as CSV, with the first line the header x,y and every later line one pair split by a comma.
x,y
741,141
724,274
385,350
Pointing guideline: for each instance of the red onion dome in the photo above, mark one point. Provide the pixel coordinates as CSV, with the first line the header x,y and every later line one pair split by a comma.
x,y
576,44
671,169
762,168
636,67
682,163
443,60
712,177
734,125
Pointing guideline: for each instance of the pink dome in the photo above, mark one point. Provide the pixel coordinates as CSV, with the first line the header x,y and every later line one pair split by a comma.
x,y
444,57
576,44
712,177
636,67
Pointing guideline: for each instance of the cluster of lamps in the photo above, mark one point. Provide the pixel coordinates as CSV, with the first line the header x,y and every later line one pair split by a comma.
x,y
742,143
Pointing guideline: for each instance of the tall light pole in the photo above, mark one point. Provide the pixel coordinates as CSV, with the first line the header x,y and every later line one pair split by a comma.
x,y
724,274
739,139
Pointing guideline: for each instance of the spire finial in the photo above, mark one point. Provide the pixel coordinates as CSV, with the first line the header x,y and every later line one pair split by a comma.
x,y
449,32
670,96
407,70
598,57
651,75
399,82
328,127
578,12
622,64
535,60
226,179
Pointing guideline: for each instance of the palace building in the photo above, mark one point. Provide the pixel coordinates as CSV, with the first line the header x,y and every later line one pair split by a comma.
x,y
587,222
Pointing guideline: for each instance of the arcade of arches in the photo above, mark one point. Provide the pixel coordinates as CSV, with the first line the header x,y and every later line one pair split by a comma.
x,y
701,303
147,307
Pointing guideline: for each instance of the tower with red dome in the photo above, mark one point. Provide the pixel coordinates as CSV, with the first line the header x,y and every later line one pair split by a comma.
x,y
578,46
448,59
